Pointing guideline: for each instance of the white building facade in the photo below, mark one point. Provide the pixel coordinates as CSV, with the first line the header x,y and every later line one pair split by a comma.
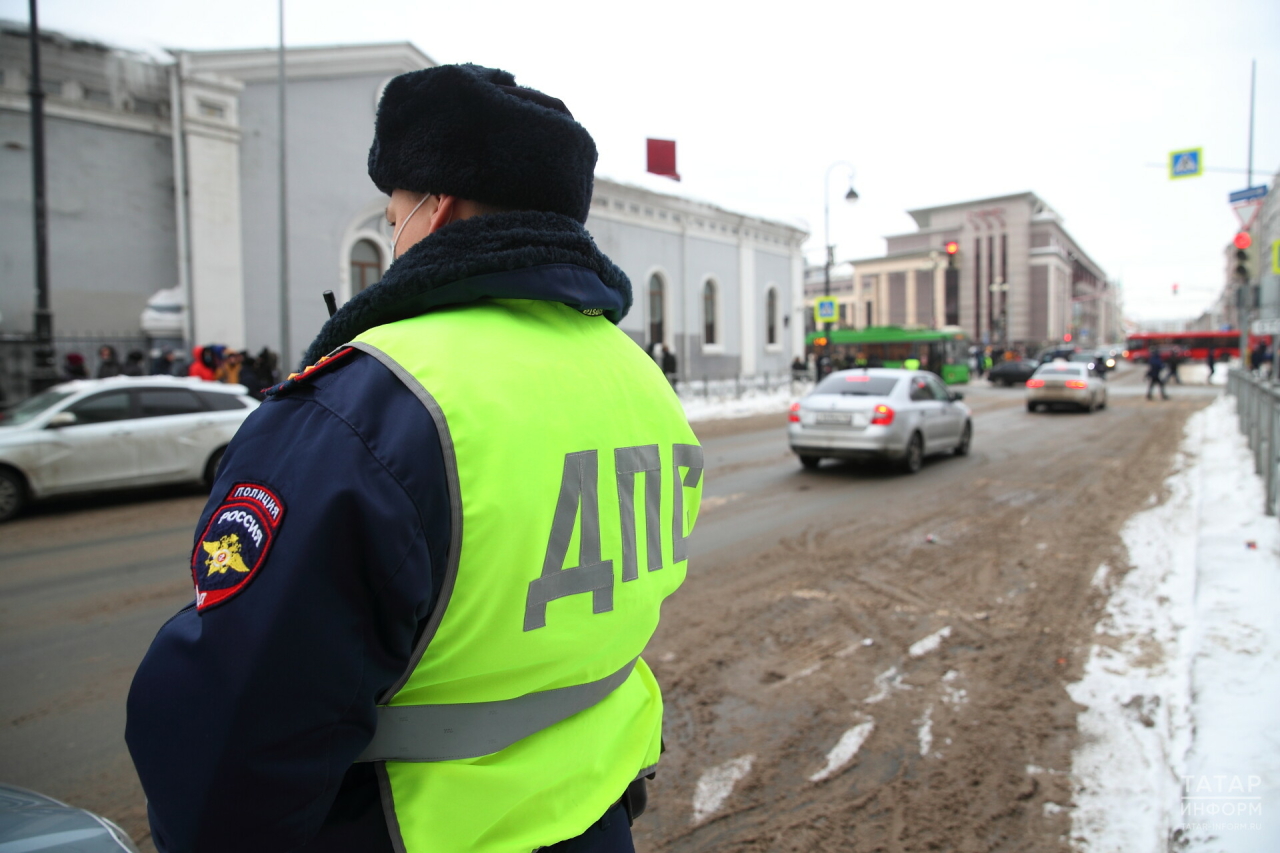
x,y
721,290
133,215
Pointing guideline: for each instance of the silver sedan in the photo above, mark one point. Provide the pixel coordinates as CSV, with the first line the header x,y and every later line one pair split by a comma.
x,y
1071,383
903,415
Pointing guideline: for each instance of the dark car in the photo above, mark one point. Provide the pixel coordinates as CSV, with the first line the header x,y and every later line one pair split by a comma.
x,y
31,821
1009,373
1055,353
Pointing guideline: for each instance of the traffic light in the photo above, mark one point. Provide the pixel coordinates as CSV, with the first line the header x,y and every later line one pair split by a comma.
x,y
952,248
1243,240
1066,339
1242,265
1175,288
819,342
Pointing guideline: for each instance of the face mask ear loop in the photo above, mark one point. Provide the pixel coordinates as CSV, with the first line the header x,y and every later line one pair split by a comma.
x,y
395,238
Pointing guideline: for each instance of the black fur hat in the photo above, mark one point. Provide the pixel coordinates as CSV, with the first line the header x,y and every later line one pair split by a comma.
x,y
470,131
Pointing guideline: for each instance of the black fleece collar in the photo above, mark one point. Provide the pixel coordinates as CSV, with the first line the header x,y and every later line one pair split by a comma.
x,y
479,258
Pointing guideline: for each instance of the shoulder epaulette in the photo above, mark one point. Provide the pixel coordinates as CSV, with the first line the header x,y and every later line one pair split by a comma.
x,y
297,379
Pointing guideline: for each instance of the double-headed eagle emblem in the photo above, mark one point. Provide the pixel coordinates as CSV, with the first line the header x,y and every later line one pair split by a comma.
x,y
224,554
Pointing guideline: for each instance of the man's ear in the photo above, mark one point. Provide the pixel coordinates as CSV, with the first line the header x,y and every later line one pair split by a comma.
x,y
446,211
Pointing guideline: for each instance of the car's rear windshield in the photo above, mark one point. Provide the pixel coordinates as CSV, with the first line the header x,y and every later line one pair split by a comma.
x,y
860,384
1060,370
1084,356
29,409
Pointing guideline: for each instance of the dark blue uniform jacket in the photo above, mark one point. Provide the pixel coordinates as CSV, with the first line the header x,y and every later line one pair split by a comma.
x,y
246,714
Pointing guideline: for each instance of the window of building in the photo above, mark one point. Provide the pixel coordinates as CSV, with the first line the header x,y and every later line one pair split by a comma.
x,y
147,108
98,96
709,312
924,298
870,317
771,316
657,316
211,109
897,299
52,87
366,265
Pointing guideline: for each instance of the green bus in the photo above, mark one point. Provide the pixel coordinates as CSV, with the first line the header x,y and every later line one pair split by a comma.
x,y
944,351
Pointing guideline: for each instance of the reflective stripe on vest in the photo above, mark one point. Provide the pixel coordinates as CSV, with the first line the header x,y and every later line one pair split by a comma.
x,y
470,730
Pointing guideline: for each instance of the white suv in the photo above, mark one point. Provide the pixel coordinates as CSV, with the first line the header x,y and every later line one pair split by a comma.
x,y
94,434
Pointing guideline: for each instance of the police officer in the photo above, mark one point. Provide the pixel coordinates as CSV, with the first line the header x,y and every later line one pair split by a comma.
x,y
430,561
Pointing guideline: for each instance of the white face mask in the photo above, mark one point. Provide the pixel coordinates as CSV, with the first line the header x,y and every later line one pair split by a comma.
x,y
395,238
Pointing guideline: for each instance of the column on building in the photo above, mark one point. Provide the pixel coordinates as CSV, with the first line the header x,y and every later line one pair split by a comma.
x,y
747,304
211,136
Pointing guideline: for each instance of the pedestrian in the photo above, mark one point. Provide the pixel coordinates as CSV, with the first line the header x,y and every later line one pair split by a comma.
x,y
1174,362
108,364
1210,361
249,377
268,367
229,368
798,368
133,363
1155,374
73,366
204,364
669,364
392,529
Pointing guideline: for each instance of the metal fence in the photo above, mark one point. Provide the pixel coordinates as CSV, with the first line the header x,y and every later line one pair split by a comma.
x,y
17,358
737,387
1258,406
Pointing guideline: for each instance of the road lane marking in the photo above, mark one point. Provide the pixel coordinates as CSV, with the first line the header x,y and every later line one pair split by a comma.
x,y
922,647
844,750
716,784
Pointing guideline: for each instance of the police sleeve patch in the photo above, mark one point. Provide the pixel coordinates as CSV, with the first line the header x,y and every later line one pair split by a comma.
x,y
235,543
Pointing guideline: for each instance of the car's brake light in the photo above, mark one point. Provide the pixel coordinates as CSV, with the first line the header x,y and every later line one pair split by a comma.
x,y
794,417
1077,383
883,415
1035,383
857,379
1125,353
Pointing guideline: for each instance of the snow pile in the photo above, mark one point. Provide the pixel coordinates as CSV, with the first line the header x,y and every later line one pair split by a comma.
x,y
716,784
1179,736
699,408
844,750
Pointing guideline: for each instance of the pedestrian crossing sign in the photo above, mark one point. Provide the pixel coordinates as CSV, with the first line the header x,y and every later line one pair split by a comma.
x,y
824,310
1186,164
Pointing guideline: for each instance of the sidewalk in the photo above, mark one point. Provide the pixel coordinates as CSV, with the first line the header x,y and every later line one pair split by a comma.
x,y
1181,734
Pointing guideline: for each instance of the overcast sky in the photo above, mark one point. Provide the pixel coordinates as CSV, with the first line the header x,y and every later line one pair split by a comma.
x,y
931,103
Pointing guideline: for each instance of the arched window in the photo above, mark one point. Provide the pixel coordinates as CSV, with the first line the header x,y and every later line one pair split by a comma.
x,y
657,326
366,265
771,316
709,312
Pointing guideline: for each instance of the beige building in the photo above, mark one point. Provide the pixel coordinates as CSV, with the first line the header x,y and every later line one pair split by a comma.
x,y
1019,278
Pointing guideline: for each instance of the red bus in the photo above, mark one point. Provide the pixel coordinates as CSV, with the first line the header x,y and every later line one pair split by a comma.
x,y
1194,345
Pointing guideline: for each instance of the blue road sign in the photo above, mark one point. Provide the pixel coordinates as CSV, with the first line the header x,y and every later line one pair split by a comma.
x,y
1247,195
1186,164
824,310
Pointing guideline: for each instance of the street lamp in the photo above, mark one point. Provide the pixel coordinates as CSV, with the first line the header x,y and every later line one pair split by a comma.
x,y
850,195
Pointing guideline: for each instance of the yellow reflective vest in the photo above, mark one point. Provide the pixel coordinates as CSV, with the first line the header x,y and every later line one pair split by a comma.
x,y
574,482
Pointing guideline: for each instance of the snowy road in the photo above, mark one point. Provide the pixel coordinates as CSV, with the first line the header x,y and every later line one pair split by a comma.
x,y
834,679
